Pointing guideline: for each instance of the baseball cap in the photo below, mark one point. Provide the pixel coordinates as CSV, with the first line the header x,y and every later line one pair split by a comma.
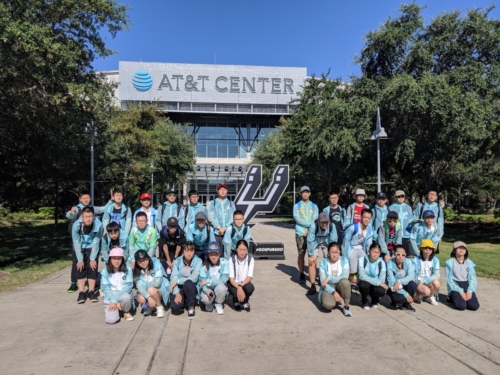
x,y
116,252
141,254
145,196
427,243
393,215
399,192
360,192
172,222
323,217
304,188
213,247
381,196
200,215
222,185
428,213
458,244
171,191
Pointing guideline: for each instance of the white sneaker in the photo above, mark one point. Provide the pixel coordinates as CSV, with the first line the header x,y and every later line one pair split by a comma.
x,y
128,317
432,301
366,306
219,309
375,306
160,312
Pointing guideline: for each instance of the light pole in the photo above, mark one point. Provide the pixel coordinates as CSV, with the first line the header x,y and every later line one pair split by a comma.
x,y
377,135
152,184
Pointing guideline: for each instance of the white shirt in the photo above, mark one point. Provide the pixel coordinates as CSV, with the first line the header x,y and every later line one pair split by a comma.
x,y
425,269
359,241
147,275
116,280
214,272
335,269
243,269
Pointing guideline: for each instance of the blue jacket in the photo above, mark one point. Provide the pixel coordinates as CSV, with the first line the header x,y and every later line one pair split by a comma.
x,y
152,217
419,232
405,215
114,295
168,210
142,240
383,236
222,278
392,274
220,214
332,280
372,273
435,275
350,239
106,243
378,217
438,211
159,281
335,217
200,237
125,218
177,272
471,277
315,235
193,210
350,213
86,241
230,240
304,215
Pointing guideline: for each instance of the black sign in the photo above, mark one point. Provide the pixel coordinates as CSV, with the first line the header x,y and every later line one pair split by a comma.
x,y
269,250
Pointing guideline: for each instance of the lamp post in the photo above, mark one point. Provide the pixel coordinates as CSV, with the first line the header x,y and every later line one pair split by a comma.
x,y
377,135
152,184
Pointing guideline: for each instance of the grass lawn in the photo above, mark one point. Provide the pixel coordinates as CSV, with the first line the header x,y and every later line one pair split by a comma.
x,y
31,250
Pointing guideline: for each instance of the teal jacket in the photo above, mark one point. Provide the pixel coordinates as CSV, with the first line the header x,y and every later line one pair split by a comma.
x,y
142,240
193,210
383,236
335,217
152,217
125,218
159,281
471,277
435,275
350,213
438,211
392,274
315,236
332,280
405,216
114,295
220,214
222,278
350,238
168,210
372,273
177,272
199,236
106,243
378,217
420,232
230,240
304,215
86,241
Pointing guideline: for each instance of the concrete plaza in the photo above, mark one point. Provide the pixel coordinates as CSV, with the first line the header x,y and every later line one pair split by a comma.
x,y
44,331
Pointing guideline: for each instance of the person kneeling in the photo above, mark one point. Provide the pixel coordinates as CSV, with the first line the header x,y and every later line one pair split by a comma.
x,y
427,273
400,277
213,278
152,283
240,276
372,271
334,278
116,285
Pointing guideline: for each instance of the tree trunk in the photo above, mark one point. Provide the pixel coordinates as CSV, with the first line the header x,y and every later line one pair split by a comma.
x,y
56,204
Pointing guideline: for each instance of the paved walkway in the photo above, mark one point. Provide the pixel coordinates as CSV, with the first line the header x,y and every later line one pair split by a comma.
x,y
45,332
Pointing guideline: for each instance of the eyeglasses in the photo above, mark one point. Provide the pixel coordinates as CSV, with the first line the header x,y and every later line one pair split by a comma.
x,y
392,221
113,231
400,196
400,255
141,221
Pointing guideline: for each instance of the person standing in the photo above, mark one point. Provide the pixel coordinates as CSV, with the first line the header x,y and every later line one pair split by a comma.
x,y
354,210
304,213
424,230
380,212
235,232
220,213
194,207
401,280
142,237
336,213
118,212
405,215
432,204
146,208
170,208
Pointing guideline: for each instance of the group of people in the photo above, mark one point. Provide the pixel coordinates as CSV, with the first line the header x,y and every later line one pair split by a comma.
x,y
380,250
171,254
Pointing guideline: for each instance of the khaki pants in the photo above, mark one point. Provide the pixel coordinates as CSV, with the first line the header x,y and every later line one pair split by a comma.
x,y
343,288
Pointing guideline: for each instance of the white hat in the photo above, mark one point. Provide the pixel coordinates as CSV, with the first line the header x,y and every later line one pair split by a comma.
x,y
360,192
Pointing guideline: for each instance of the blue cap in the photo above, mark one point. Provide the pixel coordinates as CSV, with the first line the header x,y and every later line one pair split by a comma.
x,y
428,213
213,247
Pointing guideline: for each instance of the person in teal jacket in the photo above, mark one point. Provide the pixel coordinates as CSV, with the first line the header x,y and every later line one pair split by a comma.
x,y
431,204
427,273
170,208
319,235
235,232
116,286
113,237
194,207
372,272
142,237
461,279
424,230
357,241
151,282
201,234
304,214
405,215
147,209
380,212
220,212
117,212
401,280
184,287
214,276
390,234
354,210
334,280
336,213
86,234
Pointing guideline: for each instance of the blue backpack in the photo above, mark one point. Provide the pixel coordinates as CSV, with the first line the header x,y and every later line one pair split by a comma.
x,y
356,227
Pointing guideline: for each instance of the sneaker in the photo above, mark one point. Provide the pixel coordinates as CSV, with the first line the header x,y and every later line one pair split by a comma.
x,y
417,299
128,316
73,287
408,306
375,306
346,311
191,314
81,297
302,278
395,305
237,306
160,312
148,311
448,300
246,307
312,290
366,306
93,296
209,308
431,300
219,309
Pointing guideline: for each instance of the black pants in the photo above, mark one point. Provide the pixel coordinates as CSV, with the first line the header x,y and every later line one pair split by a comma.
x,y
219,241
74,273
247,289
188,292
407,245
459,302
366,289
87,272
398,298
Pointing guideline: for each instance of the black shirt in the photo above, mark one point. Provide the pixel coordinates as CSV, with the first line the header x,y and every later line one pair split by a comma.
x,y
336,219
172,241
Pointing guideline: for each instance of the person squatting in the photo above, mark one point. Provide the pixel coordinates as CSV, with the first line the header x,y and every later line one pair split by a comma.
x,y
173,254
378,251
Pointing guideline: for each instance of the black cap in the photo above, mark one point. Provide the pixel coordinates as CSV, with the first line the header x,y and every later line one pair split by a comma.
x,y
172,222
393,215
381,196
200,215
170,191
141,254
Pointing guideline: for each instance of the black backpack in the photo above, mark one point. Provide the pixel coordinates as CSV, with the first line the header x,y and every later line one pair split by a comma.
x,y
234,262
233,232
365,262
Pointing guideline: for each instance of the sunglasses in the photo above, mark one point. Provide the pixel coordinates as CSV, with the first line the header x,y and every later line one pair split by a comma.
x,y
113,231
400,255
171,195
400,196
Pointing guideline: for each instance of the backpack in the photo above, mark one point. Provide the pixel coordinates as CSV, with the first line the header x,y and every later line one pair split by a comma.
x,y
165,232
386,226
356,227
233,232
234,262
412,223
365,262
76,216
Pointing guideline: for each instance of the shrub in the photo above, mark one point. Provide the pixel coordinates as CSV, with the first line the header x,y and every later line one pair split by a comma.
x,y
496,212
449,214
3,211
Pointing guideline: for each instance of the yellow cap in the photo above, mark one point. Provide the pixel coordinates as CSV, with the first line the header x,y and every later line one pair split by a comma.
x,y
427,243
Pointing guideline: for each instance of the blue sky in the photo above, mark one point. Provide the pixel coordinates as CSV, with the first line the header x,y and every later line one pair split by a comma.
x,y
315,34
